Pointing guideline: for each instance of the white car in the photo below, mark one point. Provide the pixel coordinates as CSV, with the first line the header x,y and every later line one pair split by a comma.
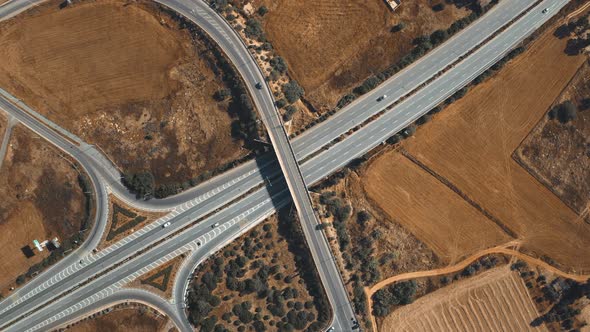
x,y
215,225
545,11
166,224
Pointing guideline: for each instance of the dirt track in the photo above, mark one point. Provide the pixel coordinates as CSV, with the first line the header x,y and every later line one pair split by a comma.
x,y
503,249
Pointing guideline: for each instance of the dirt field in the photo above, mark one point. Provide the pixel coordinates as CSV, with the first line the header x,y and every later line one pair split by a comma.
x,y
471,144
557,154
42,199
125,319
428,209
496,300
161,279
120,74
331,46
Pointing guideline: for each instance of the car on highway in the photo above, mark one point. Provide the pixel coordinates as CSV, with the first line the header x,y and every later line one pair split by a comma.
x,y
166,224
215,225
544,11
258,85
381,98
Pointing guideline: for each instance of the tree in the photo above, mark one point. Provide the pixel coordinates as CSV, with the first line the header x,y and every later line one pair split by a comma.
x,y
254,29
262,10
438,7
438,37
567,112
141,184
279,64
289,112
293,91
398,27
221,95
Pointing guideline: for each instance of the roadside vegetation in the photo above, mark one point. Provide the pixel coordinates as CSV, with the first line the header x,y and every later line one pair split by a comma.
x,y
261,281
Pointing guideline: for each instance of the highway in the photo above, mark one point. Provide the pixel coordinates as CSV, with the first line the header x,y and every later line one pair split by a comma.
x,y
392,121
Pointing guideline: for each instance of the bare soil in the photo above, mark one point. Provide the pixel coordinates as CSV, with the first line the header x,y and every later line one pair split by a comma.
x,y
121,74
471,145
431,211
42,199
124,319
558,155
494,300
332,46
161,279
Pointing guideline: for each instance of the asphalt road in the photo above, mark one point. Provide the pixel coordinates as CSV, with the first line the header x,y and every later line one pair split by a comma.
x,y
333,158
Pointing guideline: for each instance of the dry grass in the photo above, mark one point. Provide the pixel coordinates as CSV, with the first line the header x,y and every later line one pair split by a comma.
x,y
331,45
428,209
496,300
557,154
41,199
471,144
140,282
125,319
122,75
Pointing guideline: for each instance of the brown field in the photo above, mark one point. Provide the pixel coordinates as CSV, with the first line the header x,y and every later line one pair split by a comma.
x,y
557,154
124,319
496,300
41,199
428,209
121,75
331,46
471,145
161,279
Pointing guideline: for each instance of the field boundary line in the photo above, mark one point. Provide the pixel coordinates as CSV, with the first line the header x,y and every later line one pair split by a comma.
x,y
502,249
446,182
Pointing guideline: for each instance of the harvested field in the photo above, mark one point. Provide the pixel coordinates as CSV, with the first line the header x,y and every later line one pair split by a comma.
x,y
332,46
471,145
496,300
429,209
136,318
557,154
42,199
122,75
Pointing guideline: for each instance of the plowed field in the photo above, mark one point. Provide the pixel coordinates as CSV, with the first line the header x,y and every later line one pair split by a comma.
x,y
496,300
470,144
429,209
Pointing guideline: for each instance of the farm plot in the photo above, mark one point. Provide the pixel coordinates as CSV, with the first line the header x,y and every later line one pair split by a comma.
x,y
428,209
471,145
496,300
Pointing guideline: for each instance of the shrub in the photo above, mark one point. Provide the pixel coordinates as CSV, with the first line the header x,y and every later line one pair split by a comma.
x,y
141,184
398,27
262,10
289,112
293,91
254,29
279,64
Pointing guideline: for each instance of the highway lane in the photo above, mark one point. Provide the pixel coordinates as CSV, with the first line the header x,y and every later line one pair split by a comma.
x,y
237,52
239,219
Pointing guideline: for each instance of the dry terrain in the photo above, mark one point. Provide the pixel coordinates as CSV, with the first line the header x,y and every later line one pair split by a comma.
x,y
136,318
469,148
429,209
332,46
122,75
161,279
262,256
41,199
496,300
558,155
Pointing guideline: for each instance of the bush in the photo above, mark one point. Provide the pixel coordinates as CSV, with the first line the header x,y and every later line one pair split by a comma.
x,y
279,64
398,27
289,112
438,7
141,184
262,10
222,94
254,29
293,91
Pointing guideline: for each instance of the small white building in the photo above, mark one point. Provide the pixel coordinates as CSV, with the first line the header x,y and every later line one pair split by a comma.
x,y
393,4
